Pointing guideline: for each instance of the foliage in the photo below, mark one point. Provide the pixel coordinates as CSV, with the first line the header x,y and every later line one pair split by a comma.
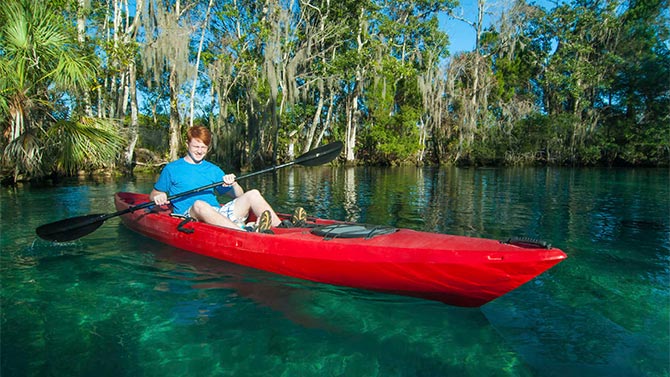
x,y
44,71
580,82
88,143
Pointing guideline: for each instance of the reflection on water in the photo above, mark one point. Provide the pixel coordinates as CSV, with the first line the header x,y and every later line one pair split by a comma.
x,y
352,211
115,303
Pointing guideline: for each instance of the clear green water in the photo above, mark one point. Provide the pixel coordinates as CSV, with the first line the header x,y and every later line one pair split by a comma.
x,y
116,304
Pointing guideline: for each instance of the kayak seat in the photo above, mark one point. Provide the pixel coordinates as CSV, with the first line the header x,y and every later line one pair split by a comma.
x,y
346,230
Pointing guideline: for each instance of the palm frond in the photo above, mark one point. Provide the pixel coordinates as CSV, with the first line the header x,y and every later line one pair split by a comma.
x,y
74,71
84,144
40,61
24,154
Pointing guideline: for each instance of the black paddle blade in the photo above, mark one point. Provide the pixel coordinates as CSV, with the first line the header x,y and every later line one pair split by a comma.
x,y
320,155
70,229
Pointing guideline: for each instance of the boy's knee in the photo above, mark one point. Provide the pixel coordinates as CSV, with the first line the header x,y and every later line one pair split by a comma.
x,y
254,193
198,205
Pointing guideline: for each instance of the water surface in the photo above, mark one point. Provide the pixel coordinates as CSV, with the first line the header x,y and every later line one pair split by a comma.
x,y
117,304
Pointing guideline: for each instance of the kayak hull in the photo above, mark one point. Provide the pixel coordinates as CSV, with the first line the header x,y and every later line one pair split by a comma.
x,y
456,270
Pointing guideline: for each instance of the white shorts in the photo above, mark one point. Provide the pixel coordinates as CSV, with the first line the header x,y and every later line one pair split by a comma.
x,y
228,210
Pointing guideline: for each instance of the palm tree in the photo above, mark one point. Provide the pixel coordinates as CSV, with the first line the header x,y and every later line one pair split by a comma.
x,y
43,71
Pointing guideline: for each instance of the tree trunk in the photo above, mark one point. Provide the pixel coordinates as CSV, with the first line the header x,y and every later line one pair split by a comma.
x,y
81,38
175,129
329,117
315,120
133,128
197,62
350,144
352,114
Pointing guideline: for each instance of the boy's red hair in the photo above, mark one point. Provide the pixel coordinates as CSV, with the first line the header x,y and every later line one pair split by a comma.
x,y
199,132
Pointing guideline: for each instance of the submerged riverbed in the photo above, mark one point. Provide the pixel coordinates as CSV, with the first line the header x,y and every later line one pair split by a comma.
x,y
117,304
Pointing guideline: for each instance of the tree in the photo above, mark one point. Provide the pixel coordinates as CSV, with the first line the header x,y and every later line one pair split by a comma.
x,y
42,74
636,105
166,49
120,79
476,82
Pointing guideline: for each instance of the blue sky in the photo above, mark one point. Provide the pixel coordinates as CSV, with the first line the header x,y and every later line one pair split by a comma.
x,y
461,35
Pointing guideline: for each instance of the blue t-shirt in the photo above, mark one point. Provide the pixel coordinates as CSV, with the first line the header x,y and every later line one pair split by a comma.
x,y
180,176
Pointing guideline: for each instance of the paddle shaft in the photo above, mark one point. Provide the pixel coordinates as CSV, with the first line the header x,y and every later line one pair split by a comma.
x,y
73,228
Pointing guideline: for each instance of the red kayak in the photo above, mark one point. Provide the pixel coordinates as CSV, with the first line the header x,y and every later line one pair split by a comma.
x,y
456,270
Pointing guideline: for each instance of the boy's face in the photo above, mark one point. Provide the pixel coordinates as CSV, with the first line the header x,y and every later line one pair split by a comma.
x,y
197,150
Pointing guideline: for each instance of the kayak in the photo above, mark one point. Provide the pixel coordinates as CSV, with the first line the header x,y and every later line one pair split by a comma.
x,y
456,270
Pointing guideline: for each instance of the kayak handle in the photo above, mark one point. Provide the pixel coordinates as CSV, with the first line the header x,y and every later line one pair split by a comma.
x,y
527,242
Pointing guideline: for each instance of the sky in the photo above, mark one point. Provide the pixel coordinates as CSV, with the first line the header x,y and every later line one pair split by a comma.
x,y
462,35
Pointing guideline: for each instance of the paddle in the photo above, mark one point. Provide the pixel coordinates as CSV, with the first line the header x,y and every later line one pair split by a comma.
x,y
76,227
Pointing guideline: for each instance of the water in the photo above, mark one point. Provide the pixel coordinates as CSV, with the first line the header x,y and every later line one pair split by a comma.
x,y
117,304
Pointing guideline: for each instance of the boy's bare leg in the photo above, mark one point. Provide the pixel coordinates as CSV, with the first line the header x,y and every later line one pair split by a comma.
x,y
204,212
253,201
